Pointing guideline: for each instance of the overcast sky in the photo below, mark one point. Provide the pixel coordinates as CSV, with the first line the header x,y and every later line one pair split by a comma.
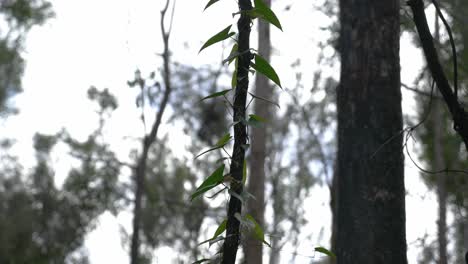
x,y
102,42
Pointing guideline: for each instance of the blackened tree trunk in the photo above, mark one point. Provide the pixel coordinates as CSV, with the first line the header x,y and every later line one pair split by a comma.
x,y
371,193
231,242
256,183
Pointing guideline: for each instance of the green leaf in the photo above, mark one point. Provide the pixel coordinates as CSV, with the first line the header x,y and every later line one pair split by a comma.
x,y
224,140
212,181
264,12
210,3
257,230
264,99
201,261
233,54
262,66
221,228
221,142
222,35
217,94
255,120
325,251
234,78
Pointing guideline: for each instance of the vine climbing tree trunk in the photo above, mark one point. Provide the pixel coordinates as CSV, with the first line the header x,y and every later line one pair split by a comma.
x,y
256,183
231,242
371,193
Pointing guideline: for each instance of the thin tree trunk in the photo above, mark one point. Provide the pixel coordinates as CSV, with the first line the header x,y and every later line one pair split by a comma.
x,y
334,211
231,242
253,248
275,240
371,200
439,164
148,140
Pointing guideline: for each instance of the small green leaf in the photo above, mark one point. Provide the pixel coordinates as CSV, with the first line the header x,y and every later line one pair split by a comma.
x,y
222,35
210,3
264,99
201,261
206,151
255,120
234,78
224,140
212,181
262,66
233,54
221,228
264,12
257,230
217,94
325,251
221,142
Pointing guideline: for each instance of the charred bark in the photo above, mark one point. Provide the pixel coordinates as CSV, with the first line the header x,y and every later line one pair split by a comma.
x,y
371,192
232,240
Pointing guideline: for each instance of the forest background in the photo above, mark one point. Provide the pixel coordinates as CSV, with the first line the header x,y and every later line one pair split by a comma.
x,y
68,152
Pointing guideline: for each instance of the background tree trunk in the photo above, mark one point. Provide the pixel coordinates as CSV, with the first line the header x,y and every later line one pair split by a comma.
x,y
371,200
148,140
256,180
439,160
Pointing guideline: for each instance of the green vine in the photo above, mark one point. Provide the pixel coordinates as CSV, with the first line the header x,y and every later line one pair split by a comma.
x,y
245,61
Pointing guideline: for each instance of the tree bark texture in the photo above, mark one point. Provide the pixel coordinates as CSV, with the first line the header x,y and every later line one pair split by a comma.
x,y
231,242
256,180
371,192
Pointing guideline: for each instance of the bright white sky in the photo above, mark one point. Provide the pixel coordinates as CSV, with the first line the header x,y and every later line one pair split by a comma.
x,y
101,43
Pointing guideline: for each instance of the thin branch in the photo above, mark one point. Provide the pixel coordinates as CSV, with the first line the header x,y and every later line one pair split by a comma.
x,y
459,116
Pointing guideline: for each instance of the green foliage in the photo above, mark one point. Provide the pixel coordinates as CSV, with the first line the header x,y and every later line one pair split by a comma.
x,y
18,16
257,230
220,36
263,67
220,144
221,228
255,120
262,11
215,179
233,54
210,3
325,251
217,94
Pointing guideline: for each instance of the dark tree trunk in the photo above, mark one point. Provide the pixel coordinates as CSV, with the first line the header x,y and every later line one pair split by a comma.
x,y
256,181
231,243
371,193
334,211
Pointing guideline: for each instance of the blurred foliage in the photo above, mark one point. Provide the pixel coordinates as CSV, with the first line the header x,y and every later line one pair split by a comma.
x,y
168,216
17,17
454,152
42,222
